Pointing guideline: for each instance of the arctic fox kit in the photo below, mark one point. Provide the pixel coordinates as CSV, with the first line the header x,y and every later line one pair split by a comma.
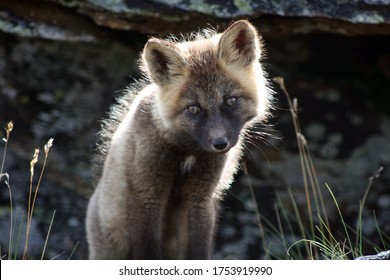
x,y
174,149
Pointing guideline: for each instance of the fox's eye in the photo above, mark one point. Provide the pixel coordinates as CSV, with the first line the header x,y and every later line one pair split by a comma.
x,y
193,109
231,101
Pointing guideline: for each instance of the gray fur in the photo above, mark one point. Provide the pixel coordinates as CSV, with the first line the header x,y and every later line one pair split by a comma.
x,y
170,153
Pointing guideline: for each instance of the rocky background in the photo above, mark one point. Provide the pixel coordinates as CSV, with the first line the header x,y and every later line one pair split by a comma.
x,y
62,63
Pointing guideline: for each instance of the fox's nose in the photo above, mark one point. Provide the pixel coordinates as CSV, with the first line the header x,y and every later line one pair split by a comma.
x,y
220,143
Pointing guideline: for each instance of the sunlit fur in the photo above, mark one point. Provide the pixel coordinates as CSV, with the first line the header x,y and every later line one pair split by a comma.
x,y
172,145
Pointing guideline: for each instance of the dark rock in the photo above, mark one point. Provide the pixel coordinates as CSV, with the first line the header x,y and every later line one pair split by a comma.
x,y
189,15
71,20
45,20
380,256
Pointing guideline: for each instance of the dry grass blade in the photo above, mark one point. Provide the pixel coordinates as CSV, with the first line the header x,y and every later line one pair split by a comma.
x,y
8,130
359,236
310,179
31,201
47,235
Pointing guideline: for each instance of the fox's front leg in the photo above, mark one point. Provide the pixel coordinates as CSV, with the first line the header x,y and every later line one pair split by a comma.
x,y
146,226
202,219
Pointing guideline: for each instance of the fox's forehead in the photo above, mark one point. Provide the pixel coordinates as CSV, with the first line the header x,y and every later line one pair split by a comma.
x,y
206,80
209,86
199,53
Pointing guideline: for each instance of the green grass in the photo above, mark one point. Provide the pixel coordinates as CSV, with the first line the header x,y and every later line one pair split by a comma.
x,y
294,238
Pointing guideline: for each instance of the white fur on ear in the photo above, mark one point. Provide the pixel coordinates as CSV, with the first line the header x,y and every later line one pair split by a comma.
x,y
239,45
162,61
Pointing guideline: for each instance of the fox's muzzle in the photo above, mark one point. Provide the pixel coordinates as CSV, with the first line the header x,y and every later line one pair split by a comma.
x,y
219,135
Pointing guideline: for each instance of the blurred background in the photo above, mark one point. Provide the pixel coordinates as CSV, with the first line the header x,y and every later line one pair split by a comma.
x,y
63,62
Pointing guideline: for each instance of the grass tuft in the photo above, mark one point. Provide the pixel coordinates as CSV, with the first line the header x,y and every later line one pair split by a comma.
x,y
291,238
14,232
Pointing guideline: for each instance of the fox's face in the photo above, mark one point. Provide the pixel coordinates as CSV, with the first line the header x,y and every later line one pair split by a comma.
x,y
213,109
210,88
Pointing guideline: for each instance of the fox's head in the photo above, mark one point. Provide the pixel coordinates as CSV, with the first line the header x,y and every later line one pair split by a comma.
x,y
210,88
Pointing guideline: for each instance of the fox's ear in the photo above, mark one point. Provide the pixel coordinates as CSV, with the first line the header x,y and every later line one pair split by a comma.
x,y
162,61
239,44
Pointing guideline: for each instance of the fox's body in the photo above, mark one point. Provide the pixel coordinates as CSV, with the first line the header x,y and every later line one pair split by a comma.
x,y
177,148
